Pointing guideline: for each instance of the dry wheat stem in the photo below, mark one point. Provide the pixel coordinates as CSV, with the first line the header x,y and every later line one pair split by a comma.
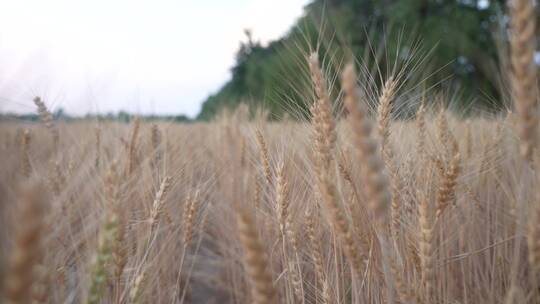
x,y
524,89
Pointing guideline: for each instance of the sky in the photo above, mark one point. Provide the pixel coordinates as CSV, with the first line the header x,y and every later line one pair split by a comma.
x,y
144,57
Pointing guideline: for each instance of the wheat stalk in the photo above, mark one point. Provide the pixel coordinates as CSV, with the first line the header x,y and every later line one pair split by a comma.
x,y
26,168
158,204
421,131
523,47
190,211
282,199
132,147
135,294
97,135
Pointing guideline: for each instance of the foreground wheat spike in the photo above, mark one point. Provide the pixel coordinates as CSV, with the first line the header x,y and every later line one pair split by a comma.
x,y
190,214
157,206
324,141
447,188
384,115
322,118
257,195
19,278
524,90
338,219
443,130
256,263
265,156
47,119
372,169
99,273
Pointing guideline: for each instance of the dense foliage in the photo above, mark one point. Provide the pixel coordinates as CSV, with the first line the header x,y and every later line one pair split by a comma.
x,y
460,38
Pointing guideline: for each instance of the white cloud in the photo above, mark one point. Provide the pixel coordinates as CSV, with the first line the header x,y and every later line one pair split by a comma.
x,y
146,56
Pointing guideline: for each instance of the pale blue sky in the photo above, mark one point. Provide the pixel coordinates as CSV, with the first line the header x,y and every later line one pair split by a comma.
x,y
160,57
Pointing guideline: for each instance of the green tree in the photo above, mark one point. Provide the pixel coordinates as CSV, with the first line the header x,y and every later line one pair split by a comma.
x,y
458,35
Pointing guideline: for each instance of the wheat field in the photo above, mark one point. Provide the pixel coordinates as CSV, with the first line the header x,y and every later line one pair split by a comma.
x,y
350,206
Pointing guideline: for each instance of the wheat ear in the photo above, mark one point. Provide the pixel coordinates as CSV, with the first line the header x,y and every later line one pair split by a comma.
x,y
322,119
366,147
158,205
265,156
384,116
324,142
447,188
256,263
372,170
190,212
47,119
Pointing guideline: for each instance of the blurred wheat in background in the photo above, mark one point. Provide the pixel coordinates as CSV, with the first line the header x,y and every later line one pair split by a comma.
x,y
356,204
